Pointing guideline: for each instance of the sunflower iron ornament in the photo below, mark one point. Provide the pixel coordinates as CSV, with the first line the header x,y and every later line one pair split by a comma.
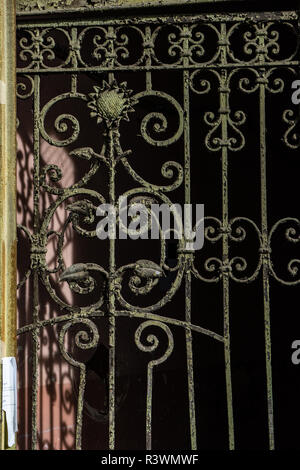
x,y
111,104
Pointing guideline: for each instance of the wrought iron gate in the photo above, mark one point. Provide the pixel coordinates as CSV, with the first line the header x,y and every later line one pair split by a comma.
x,y
200,92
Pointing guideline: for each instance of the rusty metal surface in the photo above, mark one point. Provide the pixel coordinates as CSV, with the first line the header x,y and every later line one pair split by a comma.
x,y
35,6
109,103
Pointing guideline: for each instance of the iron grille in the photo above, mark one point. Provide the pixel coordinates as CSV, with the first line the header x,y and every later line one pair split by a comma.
x,y
200,92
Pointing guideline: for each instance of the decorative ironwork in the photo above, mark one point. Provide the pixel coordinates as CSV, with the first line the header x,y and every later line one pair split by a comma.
x,y
28,5
35,6
8,233
107,48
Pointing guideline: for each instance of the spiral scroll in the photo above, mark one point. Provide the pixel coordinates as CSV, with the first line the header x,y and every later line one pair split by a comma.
x,y
160,119
82,341
152,345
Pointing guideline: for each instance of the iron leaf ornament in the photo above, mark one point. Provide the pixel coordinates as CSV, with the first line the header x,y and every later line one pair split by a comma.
x,y
76,272
83,208
148,269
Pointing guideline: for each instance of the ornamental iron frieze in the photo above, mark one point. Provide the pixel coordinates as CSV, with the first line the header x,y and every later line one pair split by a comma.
x,y
48,5
99,61
28,5
35,6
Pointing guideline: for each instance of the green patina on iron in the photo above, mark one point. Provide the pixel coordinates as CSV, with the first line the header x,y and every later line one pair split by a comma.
x,y
109,104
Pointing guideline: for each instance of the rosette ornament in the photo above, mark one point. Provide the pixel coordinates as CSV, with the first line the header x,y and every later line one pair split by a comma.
x,y
111,103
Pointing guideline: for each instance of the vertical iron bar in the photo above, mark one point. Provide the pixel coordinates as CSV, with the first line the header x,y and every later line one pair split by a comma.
x,y
36,223
149,408
224,112
74,83
187,197
148,51
112,265
265,267
264,229
188,278
111,312
82,384
225,278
